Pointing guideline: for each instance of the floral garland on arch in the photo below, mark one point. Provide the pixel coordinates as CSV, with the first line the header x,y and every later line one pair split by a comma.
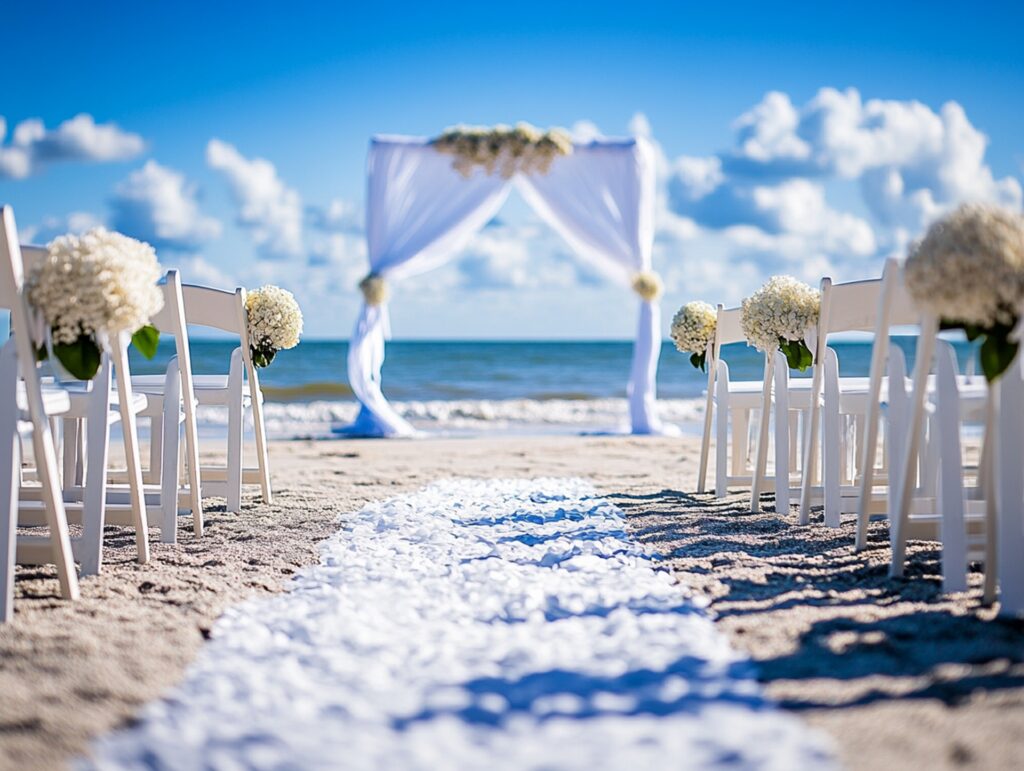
x,y
95,286
275,323
779,315
507,150
968,270
693,329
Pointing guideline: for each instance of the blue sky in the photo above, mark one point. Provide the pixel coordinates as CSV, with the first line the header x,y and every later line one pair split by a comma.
x,y
762,170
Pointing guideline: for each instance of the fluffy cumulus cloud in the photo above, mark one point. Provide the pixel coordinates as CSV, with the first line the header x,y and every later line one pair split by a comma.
x,y
268,209
518,256
766,199
911,162
338,216
52,226
157,204
33,146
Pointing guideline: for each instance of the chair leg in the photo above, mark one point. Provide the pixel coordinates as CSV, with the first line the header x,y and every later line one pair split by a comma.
x,y
1008,530
262,455
705,442
171,441
94,502
191,472
130,433
10,461
68,445
782,429
950,484
761,456
156,448
721,435
234,465
900,514
53,503
832,443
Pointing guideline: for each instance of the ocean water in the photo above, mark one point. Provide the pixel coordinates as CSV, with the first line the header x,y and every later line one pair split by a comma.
x,y
457,387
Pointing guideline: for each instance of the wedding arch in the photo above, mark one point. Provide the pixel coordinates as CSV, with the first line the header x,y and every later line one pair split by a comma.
x,y
421,210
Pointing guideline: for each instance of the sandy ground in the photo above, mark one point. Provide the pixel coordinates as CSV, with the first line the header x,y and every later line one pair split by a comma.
x,y
899,675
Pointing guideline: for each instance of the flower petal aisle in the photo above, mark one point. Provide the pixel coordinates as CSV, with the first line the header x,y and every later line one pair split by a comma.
x,y
474,624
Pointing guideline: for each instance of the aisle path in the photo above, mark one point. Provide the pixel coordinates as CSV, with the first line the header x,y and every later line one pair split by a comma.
x,y
475,624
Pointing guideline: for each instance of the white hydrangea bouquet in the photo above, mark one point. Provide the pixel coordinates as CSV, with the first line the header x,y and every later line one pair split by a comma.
x,y
779,315
505,149
968,270
92,287
693,329
275,323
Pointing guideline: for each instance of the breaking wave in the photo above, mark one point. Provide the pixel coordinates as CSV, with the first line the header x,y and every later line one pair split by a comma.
x,y
315,419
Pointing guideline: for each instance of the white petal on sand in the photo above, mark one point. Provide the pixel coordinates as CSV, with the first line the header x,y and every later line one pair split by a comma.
x,y
475,624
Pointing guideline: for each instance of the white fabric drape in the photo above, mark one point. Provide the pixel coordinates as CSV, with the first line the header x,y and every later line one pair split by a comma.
x,y
601,200
421,212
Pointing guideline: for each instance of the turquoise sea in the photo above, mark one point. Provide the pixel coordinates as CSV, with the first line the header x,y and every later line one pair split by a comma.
x,y
482,386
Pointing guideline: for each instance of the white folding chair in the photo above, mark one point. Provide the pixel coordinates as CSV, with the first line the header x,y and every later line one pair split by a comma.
x,y
239,389
95,495
25,410
171,401
932,495
734,404
840,413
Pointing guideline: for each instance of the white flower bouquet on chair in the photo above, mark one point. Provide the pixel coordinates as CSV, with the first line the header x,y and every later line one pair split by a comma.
x,y
275,323
96,285
693,330
968,272
780,316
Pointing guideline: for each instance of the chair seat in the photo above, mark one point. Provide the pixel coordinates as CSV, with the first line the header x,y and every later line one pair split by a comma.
x,y
747,393
80,394
56,401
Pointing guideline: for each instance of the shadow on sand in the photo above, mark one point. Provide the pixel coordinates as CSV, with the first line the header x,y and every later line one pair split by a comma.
x,y
808,608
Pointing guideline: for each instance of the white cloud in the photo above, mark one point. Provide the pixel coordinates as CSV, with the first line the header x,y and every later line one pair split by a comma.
x,y
914,162
158,205
198,270
339,216
527,255
270,210
765,201
768,131
33,146
52,226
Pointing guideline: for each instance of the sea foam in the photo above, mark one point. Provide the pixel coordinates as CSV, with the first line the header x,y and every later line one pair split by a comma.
x,y
292,420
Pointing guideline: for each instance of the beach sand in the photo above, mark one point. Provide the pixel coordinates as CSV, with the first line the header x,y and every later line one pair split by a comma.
x,y
897,674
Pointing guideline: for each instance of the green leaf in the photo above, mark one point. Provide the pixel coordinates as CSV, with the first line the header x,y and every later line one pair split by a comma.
x,y
81,358
41,353
997,353
145,340
699,360
262,357
798,355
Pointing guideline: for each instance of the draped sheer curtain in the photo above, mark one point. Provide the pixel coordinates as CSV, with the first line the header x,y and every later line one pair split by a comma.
x,y
421,213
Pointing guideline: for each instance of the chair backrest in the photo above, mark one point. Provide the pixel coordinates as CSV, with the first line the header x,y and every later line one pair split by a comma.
x,y
12,271
729,328
220,309
856,306
12,295
215,308
850,307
